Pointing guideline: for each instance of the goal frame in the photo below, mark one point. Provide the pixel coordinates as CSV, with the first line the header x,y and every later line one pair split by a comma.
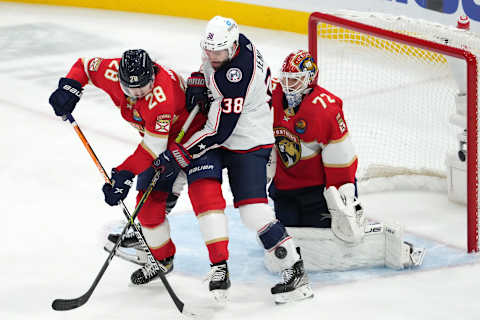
x,y
472,99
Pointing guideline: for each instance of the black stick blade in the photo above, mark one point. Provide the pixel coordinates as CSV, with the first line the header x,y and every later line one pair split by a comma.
x,y
68,304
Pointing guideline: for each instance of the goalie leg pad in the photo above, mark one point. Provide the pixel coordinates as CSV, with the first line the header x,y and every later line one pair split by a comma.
x,y
323,251
382,246
400,254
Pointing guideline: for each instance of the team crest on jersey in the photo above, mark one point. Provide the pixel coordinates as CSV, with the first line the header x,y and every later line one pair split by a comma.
x,y
162,124
136,116
301,126
234,75
288,146
94,64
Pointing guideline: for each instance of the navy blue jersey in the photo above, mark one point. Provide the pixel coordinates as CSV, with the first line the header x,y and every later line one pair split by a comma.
x,y
240,118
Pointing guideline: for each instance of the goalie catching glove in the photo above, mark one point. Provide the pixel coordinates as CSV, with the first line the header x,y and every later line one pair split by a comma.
x,y
348,220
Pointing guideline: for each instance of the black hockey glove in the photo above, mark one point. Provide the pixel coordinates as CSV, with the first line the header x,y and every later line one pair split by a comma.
x,y
66,96
118,190
171,160
197,93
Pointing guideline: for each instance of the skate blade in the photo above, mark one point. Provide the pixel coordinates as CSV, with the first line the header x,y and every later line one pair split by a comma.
x,y
128,254
301,293
220,297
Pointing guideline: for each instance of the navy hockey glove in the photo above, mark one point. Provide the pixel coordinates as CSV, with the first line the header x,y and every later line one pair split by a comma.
x,y
66,96
118,190
174,158
197,93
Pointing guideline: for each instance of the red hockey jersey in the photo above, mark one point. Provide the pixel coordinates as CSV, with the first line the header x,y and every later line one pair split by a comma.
x,y
313,145
153,115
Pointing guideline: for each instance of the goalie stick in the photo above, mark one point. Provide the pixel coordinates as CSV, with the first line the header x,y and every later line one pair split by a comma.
x,y
69,304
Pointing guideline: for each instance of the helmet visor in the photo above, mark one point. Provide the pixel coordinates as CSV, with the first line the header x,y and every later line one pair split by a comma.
x,y
139,92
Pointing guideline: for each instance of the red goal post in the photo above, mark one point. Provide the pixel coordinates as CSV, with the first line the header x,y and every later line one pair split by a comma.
x,y
353,26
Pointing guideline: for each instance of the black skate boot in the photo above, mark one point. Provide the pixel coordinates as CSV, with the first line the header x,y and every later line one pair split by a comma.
x,y
129,239
150,272
219,282
130,248
294,286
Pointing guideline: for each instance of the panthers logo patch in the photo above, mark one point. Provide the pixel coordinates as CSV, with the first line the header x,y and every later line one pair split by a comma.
x,y
288,146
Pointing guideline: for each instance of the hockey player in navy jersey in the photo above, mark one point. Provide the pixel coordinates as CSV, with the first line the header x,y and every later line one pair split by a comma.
x,y
234,81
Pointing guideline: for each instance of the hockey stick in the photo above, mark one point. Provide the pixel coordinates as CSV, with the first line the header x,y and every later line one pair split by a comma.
x,y
69,304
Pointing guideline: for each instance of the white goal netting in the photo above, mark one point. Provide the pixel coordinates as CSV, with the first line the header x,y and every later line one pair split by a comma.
x,y
398,95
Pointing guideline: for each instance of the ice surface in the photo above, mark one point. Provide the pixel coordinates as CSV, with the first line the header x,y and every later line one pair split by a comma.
x,y
55,219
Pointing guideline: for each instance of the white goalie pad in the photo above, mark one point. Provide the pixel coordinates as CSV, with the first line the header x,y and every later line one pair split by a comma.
x,y
381,246
348,220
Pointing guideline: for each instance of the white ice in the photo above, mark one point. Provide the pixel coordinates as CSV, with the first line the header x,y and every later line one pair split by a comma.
x,y
55,220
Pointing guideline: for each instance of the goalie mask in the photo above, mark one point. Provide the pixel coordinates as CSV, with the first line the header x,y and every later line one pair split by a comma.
x,y
220,41
136,73
297,74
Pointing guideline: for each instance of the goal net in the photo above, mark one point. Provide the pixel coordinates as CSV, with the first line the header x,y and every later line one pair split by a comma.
x,y
394,75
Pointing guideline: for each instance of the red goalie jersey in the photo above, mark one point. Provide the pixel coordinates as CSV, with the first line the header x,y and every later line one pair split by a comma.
x,y
313,145
153,115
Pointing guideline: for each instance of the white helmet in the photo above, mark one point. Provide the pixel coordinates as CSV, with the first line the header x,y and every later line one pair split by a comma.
x,y
221,34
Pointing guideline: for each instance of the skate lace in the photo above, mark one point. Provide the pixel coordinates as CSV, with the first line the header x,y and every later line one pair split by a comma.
x,y
216,273
287,275
131,234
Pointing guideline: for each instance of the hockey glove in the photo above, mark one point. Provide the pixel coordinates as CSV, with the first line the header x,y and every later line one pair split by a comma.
x,y
197,93
174,158
118,190
348,219
66,96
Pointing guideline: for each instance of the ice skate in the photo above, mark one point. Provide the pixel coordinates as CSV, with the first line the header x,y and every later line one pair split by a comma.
x,y
219,282
130,248
294,285
149,271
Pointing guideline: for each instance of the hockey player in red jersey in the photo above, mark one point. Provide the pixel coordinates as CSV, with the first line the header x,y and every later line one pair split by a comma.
x,y
313,147
152,99
314,186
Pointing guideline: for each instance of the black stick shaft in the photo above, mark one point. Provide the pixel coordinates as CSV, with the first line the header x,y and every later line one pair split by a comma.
x,y
69,304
